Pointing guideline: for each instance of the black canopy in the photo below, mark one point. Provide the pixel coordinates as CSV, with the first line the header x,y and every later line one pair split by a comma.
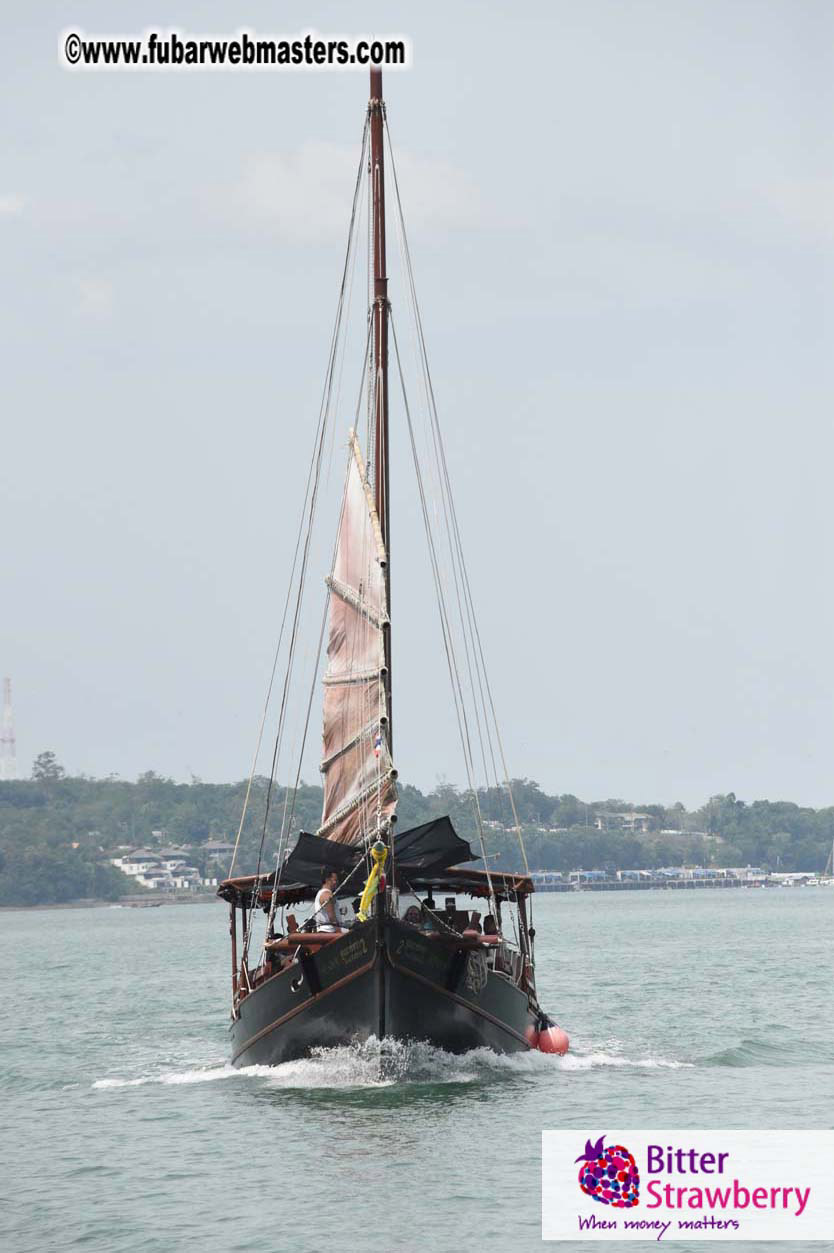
x,y
430,847
426,857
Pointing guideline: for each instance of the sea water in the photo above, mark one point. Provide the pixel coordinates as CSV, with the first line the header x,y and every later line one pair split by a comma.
x,y
125,1129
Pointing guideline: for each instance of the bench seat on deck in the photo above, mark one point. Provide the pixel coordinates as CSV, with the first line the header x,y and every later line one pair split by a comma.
x,y
303,939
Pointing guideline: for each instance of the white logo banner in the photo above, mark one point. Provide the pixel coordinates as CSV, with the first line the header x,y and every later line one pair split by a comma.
x,y
687,1185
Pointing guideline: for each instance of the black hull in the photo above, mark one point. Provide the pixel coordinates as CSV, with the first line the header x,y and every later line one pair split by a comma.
x,y
398,983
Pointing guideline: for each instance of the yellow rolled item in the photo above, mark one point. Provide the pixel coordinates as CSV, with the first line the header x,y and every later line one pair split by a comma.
x,y
379,853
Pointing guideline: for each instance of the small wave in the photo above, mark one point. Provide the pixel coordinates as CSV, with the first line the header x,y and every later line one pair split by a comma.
x,y
783,1050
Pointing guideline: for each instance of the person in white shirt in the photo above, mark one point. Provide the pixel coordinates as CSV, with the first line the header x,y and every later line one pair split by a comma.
x,y
325,902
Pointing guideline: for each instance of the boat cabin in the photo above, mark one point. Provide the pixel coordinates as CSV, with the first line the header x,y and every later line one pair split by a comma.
x,y
457,908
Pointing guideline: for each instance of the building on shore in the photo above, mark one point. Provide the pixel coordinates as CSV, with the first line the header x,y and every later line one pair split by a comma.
x,y
670,877
623,822
166,870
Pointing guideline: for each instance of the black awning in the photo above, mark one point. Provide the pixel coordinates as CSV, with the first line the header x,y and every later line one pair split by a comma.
x,y
427,857
430,847
312,853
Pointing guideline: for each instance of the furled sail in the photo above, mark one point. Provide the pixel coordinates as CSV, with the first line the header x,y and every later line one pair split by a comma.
x,y
359,779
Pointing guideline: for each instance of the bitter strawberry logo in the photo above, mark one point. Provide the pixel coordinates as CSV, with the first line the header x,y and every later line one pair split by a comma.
x,y
610,1175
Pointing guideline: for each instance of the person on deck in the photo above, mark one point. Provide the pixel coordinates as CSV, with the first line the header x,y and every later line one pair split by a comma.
x,y
427,919
325,903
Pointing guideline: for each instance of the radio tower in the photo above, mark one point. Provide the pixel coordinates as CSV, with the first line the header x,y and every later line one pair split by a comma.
x,y
8,753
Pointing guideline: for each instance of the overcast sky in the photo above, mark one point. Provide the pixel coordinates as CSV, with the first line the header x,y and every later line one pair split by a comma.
x,y
622,222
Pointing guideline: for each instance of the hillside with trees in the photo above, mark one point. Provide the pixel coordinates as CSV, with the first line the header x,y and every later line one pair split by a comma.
x,y
58,831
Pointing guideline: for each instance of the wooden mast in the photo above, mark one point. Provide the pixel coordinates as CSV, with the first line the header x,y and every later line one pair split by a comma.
x,y
380,359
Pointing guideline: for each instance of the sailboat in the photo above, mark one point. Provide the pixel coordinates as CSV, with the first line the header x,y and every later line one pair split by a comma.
x,y
419,944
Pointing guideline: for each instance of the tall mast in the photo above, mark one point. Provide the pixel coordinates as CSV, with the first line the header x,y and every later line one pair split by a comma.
x,y
382,497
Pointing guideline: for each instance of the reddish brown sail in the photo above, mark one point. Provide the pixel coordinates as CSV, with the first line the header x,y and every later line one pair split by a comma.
x,y
359,790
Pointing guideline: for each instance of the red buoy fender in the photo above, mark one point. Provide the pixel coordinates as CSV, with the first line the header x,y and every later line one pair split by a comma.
x,y
553,1040
531,1035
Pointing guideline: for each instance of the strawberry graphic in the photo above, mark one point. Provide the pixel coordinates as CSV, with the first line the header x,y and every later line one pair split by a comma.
x,y
610,1175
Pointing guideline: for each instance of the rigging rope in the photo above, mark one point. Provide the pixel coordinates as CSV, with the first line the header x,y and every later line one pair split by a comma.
x,y
309,512
483,712
481,723
286,826
287,822
447,494
451,660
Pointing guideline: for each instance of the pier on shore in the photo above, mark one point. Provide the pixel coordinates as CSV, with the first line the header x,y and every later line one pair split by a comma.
x,y
666,880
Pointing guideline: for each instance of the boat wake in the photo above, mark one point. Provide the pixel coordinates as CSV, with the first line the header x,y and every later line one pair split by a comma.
x,y
595,1060
394,1062
200,1074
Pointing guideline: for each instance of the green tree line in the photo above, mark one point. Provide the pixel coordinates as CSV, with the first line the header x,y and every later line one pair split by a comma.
x,y
57,831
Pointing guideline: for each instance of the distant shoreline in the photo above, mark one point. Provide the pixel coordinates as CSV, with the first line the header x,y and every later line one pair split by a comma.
x,y
203,899
125,903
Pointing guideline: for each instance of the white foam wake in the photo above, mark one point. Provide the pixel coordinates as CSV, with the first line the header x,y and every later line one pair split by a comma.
x,y
590,1061
394,1062
206,1074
